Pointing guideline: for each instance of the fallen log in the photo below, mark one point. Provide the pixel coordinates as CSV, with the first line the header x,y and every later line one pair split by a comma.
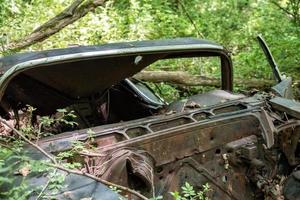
x,y
186,79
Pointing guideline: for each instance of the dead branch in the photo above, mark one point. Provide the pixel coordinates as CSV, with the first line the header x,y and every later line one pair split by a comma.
x,y
100,180
77,10
285,10
292,9
59,166
28,141
186,79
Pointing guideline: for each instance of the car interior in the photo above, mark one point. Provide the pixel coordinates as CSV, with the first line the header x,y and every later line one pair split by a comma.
x,y
96,94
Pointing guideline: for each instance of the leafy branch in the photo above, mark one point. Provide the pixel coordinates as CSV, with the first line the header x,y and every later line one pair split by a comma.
x,y
59,166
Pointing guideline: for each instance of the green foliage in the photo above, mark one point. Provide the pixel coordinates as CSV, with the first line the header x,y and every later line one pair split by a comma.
x,y
168,92
206,66
91,135
233,23
156,198
10,163
13,160
63,117
66,157
189,193
55,181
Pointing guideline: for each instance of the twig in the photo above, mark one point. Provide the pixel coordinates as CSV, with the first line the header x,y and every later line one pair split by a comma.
x,y
191,19
58,166
282,8
28,141
39,133
126,189
5,146
91,154
44,188
294,13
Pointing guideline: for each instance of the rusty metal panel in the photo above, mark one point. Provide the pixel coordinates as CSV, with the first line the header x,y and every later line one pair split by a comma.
x,y
289,106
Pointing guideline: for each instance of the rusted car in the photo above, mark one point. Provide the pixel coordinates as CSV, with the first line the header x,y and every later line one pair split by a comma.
x,y
243,147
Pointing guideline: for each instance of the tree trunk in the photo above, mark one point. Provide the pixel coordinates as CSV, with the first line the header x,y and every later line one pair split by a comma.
x,y
77,10
186,79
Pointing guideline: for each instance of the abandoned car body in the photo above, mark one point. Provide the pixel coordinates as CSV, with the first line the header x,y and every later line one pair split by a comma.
x,y
243,147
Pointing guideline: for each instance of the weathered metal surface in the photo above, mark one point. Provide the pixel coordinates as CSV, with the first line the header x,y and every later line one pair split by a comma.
x,y
292,186
289,141
289,106
284,89
270,59
184,147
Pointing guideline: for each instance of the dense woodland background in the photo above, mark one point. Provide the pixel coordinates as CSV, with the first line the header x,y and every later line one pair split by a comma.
x,y
232,23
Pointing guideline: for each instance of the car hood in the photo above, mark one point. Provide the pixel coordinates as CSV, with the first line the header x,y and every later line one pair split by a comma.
x,y
77,72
